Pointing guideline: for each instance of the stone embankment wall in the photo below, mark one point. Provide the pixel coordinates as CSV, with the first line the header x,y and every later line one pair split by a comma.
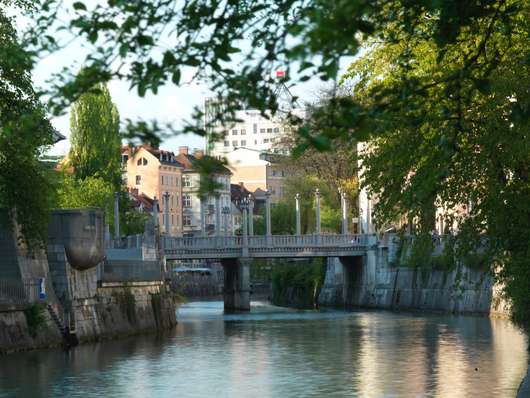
x,y
74,298
112,312
370,281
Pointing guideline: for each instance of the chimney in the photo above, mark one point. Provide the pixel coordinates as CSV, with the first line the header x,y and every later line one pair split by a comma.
x,y
183,150
198,153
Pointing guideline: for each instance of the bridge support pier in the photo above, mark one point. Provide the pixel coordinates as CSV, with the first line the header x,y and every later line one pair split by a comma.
x,y
352,271
236,284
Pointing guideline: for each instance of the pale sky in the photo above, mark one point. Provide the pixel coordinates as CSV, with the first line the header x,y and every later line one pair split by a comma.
x,y
171,104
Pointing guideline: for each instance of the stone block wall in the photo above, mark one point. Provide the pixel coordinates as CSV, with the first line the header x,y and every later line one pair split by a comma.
x,y
372,282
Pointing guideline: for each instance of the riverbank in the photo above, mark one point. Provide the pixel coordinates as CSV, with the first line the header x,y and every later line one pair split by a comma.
x,y
113,312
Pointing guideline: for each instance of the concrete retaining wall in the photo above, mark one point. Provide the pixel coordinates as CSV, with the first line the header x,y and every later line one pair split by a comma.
x,y
372,282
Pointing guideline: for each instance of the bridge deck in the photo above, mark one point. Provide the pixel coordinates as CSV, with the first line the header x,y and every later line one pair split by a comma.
x,y
274,246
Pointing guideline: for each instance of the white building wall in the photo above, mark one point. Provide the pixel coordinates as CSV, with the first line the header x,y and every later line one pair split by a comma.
x,y
254,132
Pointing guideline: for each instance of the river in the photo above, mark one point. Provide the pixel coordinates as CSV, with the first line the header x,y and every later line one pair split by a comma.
x,y
277,352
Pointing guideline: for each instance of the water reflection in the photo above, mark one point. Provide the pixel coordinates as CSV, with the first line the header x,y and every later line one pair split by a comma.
x,y
274,352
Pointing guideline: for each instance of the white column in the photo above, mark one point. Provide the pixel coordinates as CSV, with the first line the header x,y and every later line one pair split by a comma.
x,y
203,215
116,215
268,212
166,213
298,217
217,216
250,215
155,211
226,213
244,207
344,212
317,198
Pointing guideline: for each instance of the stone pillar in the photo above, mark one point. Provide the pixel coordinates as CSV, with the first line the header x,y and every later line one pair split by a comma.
x,y
344,212
317,199
236,284
298,217
203,215
250,215
268,213
166,213
155,212
116,215
217,216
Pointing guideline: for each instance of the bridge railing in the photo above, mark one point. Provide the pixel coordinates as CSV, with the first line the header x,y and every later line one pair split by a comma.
x,y
229,242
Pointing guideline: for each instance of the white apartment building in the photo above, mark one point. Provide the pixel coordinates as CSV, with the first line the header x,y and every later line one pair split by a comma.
x,y
253,132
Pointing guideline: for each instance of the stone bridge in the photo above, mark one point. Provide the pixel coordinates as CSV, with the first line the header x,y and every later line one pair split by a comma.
x,y
273,246
236,252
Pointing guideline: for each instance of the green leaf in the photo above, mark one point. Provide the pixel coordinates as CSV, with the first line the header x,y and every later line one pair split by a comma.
x,y
176,77
78,5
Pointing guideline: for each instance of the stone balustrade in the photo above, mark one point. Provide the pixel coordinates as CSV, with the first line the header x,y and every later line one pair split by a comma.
x,y
265,246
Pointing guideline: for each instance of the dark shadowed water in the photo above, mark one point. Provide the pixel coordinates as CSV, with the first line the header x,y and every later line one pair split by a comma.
x,y
274,352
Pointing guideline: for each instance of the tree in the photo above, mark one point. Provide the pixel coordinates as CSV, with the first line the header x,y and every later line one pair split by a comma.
x,y
24,134
443,133
472,49
96,142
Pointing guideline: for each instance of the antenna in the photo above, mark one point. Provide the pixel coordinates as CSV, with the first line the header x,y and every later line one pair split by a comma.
x,y
284,96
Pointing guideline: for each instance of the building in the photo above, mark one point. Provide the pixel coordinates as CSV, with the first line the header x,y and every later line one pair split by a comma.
x,y
258,170
216,207
156,174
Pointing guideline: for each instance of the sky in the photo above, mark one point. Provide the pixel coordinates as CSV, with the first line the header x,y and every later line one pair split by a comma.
x,y
171,104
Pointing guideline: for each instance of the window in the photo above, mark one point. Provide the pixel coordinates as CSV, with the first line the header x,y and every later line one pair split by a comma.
x,y
227,143
186,181
276,130
124,158
141,162
243,143
262,130
186,200
243,131
144,161
265,140
234,143
138,180
162,180
255,128
234,132
186,221
274,173
255,142
269,130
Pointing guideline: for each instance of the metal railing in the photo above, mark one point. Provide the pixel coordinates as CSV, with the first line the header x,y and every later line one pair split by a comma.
x,y
21,291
